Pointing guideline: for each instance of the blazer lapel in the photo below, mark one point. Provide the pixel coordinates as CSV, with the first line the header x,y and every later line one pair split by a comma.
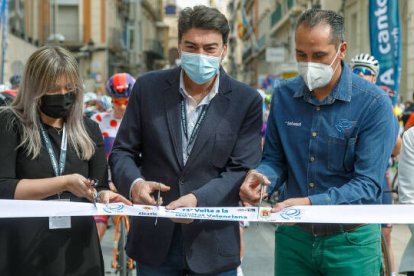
x,y
172,101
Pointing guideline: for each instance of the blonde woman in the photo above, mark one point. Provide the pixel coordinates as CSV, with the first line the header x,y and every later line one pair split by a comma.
x,y
49,151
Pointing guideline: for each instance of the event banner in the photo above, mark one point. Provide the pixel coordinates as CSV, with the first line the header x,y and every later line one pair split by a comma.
x,y
385,39
295,214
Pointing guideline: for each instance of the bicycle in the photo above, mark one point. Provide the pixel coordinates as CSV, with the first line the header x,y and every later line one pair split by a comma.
x,y
121,262
386,261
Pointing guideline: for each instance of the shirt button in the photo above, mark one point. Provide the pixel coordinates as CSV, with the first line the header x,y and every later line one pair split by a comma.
x,y
314,134
312,158
311,184
318,108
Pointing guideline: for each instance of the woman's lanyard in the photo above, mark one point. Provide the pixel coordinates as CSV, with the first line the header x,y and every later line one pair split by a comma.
x,y
58,168
196,128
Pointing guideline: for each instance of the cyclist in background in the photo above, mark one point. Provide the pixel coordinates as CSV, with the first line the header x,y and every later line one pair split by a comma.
x,y
119,88
15,81
8,95
367,67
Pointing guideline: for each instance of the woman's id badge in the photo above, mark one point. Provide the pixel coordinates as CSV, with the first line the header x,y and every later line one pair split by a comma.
x,y
60,222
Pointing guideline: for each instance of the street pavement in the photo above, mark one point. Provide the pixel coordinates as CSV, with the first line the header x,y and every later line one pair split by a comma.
x,y
259,248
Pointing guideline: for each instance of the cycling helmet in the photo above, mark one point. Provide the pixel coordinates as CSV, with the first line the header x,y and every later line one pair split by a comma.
x,y
105,102
15,81
366,60
120,85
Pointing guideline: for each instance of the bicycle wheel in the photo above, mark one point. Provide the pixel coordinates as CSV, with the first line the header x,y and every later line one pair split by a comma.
x,y
122,257
386,262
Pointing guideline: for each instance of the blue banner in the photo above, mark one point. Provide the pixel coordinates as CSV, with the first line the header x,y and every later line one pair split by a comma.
x,y
385,38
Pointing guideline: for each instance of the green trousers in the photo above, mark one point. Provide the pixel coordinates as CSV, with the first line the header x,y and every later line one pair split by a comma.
x,y
298,252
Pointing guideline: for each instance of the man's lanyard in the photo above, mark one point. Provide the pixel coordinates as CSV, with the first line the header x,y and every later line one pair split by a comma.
x,y
196,128
58,168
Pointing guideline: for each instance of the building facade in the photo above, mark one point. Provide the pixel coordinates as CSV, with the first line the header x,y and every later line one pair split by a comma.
x,y
268,49
106,36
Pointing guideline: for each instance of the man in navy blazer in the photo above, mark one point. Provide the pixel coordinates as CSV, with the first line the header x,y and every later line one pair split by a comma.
x,y
193,132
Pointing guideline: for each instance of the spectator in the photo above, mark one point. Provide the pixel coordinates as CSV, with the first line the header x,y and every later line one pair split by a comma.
x,y
7,97
406,195
330,135
89,104
367,67
15,81
119,88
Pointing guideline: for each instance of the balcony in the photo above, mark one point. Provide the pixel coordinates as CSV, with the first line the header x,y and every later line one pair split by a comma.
x,y
154,47
276,15
247,53
116,40
248,4
261,42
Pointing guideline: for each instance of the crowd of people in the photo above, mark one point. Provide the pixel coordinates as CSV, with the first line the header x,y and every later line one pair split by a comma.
x,y
198,138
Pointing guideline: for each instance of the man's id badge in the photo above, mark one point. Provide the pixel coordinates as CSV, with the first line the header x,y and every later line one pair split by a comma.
x,y
60,222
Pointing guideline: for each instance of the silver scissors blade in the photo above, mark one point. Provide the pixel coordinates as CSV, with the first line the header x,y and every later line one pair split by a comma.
x,y
94,183
95,195
158,203
260,201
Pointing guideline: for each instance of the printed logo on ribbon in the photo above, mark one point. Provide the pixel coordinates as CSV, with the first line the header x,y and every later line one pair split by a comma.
x,y
291,214
344,126
265,212
246,210
114,208
147,209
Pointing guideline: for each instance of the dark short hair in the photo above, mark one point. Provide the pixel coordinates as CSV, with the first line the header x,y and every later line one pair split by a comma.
x,y
314,17
203,17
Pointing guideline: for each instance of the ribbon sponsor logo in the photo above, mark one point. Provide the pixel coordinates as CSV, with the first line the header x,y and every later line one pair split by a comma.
x,y
291,214
265,212
114,208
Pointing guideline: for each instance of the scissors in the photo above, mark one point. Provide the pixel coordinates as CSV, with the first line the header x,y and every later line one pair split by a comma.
x,y
158,203
260,201
94,183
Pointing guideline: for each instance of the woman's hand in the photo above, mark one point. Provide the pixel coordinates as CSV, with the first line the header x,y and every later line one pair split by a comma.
x,y
107,196
79,185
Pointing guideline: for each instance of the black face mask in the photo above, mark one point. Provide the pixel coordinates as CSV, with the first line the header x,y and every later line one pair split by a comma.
x,y
57,106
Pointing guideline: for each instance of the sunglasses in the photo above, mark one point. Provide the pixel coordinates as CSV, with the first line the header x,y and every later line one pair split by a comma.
x,y
120,101
363,70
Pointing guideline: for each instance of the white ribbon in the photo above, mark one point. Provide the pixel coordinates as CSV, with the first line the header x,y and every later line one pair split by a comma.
x,y
396,214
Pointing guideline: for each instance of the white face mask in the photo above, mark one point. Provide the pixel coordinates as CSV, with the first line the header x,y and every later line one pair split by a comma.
x,y
315,74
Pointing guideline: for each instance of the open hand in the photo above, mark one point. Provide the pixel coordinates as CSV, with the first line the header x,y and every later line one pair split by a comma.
x,y
185,201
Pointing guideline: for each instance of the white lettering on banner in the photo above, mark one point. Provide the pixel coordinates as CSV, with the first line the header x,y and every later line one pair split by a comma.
x,y
387,77
308,214
382,23
396,34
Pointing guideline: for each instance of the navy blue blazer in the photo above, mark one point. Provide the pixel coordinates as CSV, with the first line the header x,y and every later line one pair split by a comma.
x,y
149,146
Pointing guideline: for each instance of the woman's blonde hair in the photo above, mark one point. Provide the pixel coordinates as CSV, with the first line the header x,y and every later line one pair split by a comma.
x,y
42,71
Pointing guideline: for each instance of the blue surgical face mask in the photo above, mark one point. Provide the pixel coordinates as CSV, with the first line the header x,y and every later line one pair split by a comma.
x,y
200,68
